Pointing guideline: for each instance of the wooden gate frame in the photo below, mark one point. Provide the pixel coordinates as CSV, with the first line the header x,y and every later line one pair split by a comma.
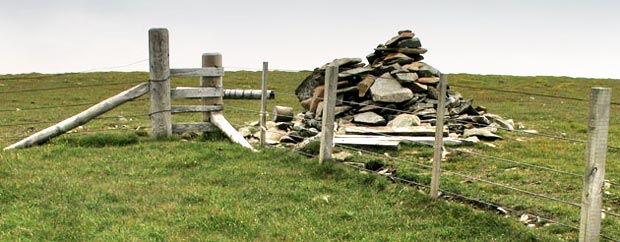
x,y
211,91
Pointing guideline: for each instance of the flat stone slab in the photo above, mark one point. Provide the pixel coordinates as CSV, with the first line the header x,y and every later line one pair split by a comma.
x,y
369,118
365,85
406,77
399,58
415,66
355,71
428,80
404,120
389,90
481,133
418,51
403,34
342,62
410,43
428,71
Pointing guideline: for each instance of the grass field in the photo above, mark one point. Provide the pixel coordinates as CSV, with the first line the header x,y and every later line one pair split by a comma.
x,y
104,182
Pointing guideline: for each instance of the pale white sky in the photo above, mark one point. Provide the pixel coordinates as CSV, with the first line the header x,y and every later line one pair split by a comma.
x,y
526,37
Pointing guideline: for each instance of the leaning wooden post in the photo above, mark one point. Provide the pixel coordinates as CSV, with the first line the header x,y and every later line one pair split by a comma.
x,y
161,119
217,117
211,60
443,82
329,105
83,117
596,152
263,105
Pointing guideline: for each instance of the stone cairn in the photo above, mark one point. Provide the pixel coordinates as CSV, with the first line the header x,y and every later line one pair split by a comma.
x,y
396,89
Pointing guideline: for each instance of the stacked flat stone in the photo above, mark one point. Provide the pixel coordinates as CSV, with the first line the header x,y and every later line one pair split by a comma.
x,y
394,82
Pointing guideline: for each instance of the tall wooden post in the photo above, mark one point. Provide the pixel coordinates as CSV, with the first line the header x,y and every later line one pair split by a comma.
x,y
329,105
211,60
436,173
263,105
159,75
596,152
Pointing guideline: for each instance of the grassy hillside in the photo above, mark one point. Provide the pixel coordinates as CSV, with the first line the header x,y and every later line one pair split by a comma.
x,y
77,188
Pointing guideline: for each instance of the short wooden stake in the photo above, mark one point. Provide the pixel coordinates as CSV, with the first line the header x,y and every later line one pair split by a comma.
x,y
436,173
161,118
596,152
329,105
263,105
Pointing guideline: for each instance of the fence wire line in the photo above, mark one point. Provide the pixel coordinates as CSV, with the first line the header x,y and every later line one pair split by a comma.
x,y
67,87
61,106
237,68
463,151
461,196
73,73
533,134
50,122
472,178
527,93
10,138
463,121
456,150
46,107
19,137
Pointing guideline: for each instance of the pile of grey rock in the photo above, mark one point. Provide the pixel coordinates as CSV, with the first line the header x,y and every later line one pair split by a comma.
x,y
395,89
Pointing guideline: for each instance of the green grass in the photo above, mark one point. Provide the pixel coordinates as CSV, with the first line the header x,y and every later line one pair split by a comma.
x,y
216,191
107,182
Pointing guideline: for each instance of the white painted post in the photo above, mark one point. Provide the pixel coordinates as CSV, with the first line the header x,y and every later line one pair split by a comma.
x,y
329,105
596,152
263,105
159,75
436,173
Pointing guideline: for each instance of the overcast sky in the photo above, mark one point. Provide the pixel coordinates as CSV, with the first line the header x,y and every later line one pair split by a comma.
x,y
525,37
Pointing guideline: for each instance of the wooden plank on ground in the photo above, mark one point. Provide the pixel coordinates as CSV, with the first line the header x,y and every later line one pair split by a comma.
x,y
198,72
365,141
193,127
196,92
414,130
352,139
195,108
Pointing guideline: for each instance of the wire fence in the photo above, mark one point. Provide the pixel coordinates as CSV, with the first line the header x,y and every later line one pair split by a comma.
x,y
485,157
365,151
467,177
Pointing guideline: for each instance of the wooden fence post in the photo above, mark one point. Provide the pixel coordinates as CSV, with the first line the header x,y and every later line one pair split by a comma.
x,y
159,75
596,152
329,105
211,60
263,105
436,173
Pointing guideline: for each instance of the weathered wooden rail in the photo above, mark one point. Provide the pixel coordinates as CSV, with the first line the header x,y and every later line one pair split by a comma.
x,y
211,91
